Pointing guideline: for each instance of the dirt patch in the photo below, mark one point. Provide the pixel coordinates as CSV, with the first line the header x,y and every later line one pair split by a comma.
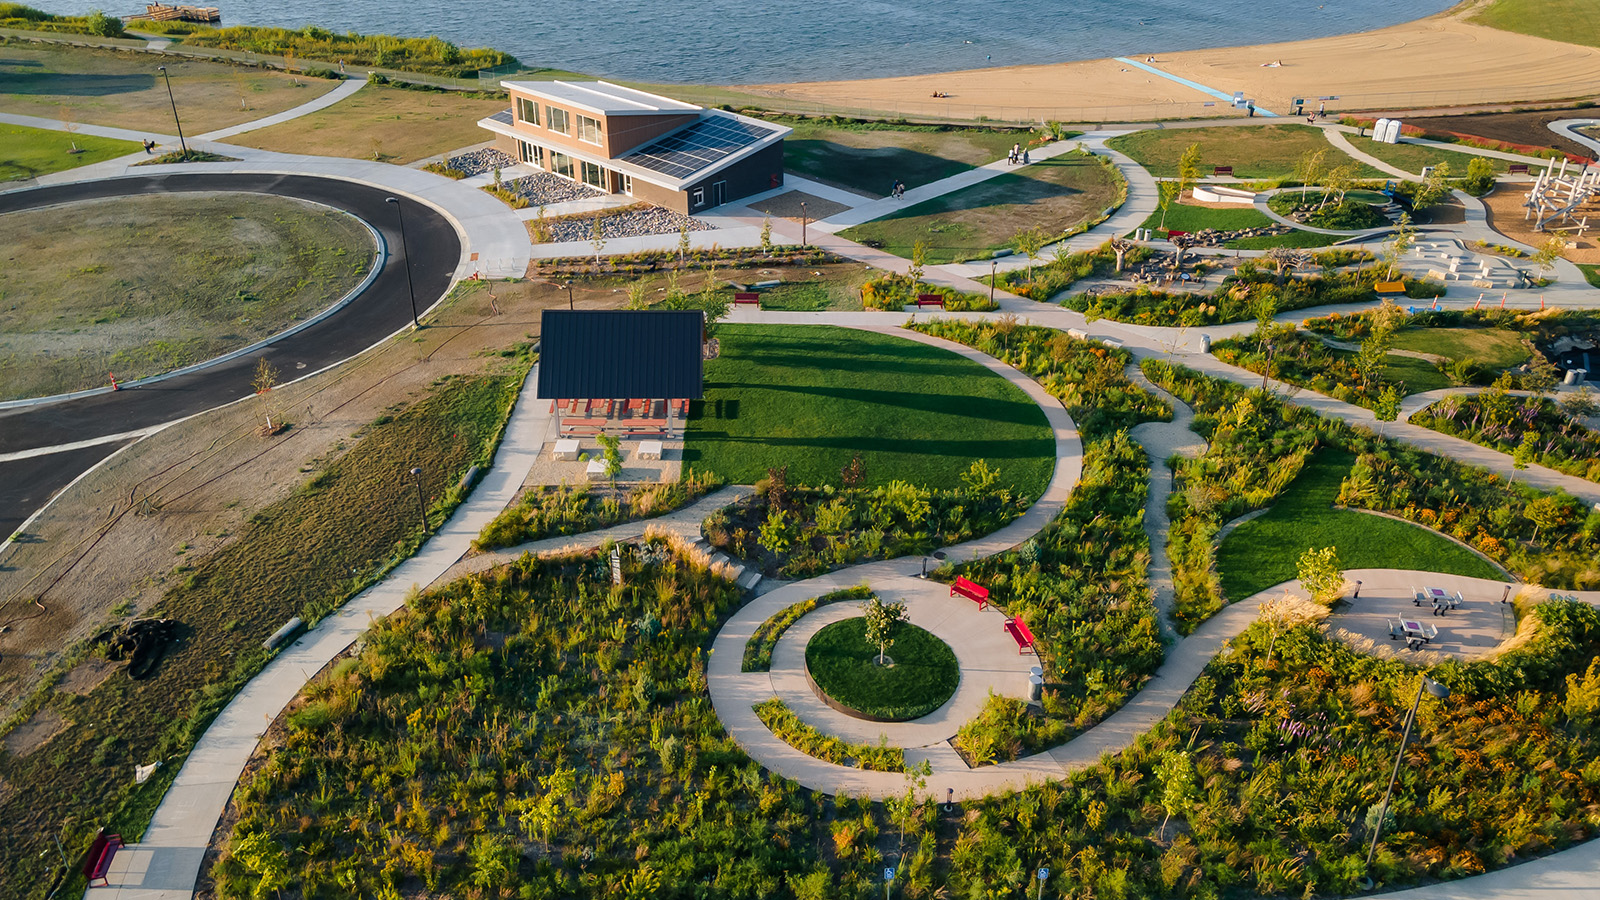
x,y
1525,129
35,733
787,206
1506,215
87,675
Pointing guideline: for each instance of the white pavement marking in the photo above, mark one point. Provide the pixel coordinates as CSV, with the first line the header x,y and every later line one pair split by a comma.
x,y
345,89
85,444
166,863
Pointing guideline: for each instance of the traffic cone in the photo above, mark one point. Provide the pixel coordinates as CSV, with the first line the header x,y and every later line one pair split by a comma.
x,y
114,385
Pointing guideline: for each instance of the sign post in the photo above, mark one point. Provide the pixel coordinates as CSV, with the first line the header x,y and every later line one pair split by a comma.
x,y
1043,874
888,879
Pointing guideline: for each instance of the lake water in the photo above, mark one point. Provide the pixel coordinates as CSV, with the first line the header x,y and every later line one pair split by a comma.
x,y
745,41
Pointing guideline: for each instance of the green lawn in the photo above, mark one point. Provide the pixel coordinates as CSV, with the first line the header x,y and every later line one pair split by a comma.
x,y
30,152
1254,151
869,159
845,667
1569,21
1266,551
1592,273
811,397
1053,195
1183,217
1412,157
831,290
1495,348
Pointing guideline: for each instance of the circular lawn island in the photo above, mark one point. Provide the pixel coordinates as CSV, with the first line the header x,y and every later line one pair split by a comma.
x,y
920,675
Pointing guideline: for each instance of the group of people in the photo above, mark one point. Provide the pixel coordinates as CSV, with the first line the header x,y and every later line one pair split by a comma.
x,y
898,189
1018,155
941,95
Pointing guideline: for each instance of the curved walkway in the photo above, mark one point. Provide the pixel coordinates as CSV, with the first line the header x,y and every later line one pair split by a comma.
x,y
1568,128
1161,441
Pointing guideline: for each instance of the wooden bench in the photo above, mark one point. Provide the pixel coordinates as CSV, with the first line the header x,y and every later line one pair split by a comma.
x,y
1517,169
582,424
1222,170
1019,632
967,589
1175,233
930,300
97,862
747,297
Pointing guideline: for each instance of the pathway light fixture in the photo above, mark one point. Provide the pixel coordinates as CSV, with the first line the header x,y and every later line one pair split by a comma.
x,y
803,243
1437,690
993,268
422,503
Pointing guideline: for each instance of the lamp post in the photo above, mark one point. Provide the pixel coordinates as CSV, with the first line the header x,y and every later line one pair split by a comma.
x,y
182,145
993,266
422,504
803,225
411,287
568,286
1438,690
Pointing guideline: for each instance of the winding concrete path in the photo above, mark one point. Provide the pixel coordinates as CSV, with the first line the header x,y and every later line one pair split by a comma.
x,y
1162,441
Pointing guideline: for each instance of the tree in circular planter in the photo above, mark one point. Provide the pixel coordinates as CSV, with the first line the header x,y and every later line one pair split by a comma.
x,y
849,663
882,620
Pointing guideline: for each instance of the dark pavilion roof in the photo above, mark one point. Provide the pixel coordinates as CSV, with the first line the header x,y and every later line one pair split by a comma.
x,y
614,354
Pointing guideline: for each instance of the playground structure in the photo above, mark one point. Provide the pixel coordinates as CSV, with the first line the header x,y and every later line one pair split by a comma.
x,y
1559,196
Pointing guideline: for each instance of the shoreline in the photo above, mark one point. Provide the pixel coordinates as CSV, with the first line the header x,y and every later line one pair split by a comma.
x,y
1438,60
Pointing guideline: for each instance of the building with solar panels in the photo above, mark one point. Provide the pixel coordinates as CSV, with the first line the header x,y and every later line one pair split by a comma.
x,y
624,141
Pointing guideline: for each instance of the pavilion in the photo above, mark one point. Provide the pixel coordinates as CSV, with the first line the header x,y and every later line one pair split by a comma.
x,y
628,373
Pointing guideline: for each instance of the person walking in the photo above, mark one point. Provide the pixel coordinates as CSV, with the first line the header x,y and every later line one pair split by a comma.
x,y
1025,160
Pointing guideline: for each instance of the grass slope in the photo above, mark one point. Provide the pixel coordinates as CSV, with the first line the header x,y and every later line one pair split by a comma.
x,y
810,397
1568,21
1266,551
377,122
1495,348
1183,217
30,152
1053,195
845,667
1254,151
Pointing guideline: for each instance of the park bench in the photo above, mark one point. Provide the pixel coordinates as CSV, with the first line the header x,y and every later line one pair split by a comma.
x,y
1389,287
97,862
747,297
1220,171
1175,233
1019,632
1517,168
637,427
582,426
971,591
930,300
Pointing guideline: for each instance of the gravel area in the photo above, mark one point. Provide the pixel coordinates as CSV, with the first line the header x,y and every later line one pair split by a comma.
x,y
544,188
636,221
478,162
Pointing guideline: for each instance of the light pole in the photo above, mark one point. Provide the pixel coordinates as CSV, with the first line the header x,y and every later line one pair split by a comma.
x,y
411,287
568,286
422,504
993,265
182,145
802,224
1438,690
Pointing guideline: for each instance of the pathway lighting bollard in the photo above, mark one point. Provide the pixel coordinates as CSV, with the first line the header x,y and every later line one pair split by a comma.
x,y
949,799
993,267
410,286
422,504
803,244
1438,690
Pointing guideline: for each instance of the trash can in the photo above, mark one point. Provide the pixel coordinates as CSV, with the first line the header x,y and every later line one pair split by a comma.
x,y
1035,688
1205,343
1575,376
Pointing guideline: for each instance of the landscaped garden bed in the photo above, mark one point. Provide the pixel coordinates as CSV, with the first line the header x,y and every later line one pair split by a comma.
x,y
547,511
758,650
917,676
1500,421
893,293
646,261
788,727
1346,211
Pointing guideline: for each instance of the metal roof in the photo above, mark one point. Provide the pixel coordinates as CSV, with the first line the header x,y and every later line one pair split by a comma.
x,y
619,354
700,146
601,97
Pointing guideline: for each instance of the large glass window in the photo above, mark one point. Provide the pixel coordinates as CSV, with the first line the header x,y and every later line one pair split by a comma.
x,y
595,176
532,154
557,120
588,129
527,111
561,164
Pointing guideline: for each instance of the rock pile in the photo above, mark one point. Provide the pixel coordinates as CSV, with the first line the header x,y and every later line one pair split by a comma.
x,y
543,188
635,221
478,162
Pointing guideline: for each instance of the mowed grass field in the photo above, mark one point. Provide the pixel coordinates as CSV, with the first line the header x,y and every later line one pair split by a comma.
x,y
1495,348
1266,551
1412,157
383,123
1184,217
124,89
811,397
1254,151
31,152
869,160
1053,195
1568,21
143,285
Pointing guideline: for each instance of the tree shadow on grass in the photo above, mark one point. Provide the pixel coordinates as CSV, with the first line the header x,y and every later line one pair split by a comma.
x,y
973,448
54,83
980,409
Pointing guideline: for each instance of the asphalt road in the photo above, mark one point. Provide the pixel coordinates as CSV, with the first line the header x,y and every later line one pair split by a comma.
x,y
384,307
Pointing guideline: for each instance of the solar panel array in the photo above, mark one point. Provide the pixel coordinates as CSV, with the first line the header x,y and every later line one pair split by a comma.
x,y
708,141
503,116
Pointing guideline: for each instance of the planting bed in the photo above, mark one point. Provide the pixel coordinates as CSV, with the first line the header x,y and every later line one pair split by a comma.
x,y
918,676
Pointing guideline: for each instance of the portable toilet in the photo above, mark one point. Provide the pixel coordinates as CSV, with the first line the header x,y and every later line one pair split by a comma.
x,y
1379,129
1392,134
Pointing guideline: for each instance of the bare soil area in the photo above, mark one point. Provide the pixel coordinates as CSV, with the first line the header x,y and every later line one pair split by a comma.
x,y
138,286
34,733
1506,215
1526,128
787,206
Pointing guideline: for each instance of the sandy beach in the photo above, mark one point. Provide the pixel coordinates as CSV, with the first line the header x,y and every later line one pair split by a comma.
x,y
1439,60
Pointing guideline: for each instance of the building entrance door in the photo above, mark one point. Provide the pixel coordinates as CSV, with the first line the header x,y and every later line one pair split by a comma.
x,y
719,193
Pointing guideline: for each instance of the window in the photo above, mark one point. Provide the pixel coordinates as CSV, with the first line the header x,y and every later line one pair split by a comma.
x,y
560,163
697,198
588,129
531,154
595,176
527,111
556,120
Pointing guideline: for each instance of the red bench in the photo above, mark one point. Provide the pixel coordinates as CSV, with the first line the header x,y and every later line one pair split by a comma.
x,y
1019,632
970,591
747,297
97,862
1222,170
930,300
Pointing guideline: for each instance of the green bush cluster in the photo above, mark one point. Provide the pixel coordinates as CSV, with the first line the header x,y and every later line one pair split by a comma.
x,y
758,650
788,727
430,55
1066,269
1503,422
894,293
26,18
548,511
1327,211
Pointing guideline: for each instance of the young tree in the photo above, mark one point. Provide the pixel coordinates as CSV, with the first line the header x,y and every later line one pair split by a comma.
x,y
1387,409
1188,176
1375,348
1526,452
637,295
766,236
1546,511
266,378
1321,575
683,239
611,454
1179,790
714,303
597,240
1030,241
1400,244
1309,170
1480,175
919,262
854,473
1340,179
883,620
1434,188
1544,259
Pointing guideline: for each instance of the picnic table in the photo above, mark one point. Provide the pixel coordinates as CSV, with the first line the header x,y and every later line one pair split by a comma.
x,y
1441,599
1415,633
